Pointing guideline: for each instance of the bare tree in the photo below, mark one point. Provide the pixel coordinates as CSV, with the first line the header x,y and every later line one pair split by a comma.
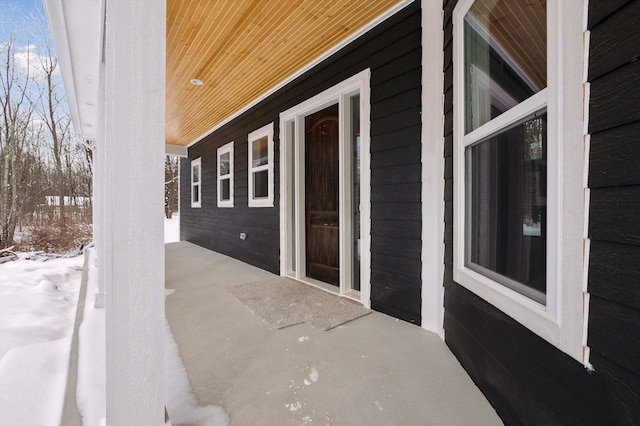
x,y
49,106
15,134
170,185
39,154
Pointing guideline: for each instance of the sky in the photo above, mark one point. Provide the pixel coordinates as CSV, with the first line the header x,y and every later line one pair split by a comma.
x,y
15,11
26,21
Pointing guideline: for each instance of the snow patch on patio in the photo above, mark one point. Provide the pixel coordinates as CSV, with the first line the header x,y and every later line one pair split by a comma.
x,y
294,406
314,375
182,404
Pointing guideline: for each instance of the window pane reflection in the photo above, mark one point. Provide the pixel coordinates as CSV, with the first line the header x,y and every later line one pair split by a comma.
x,y
505,56
196,173
196,194
261,184
507,207
225,186
224,164
260,152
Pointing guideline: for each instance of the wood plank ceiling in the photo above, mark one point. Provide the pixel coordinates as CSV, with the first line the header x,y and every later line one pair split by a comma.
x,y
242,48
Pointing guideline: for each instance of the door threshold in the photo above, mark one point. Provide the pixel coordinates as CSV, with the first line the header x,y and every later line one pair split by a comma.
x,y
352,296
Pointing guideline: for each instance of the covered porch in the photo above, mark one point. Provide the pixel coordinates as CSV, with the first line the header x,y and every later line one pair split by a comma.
x,y
375,370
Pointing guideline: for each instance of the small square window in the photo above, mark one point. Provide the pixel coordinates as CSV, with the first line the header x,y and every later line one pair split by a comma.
x,y
196,185
261,167
225,175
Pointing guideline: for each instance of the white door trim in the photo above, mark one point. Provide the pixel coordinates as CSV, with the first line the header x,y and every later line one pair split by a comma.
x,y
291,182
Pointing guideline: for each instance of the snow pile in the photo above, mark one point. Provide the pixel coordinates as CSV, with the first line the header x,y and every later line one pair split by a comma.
x,y
37,310
172,229
38,300
182,404
90,391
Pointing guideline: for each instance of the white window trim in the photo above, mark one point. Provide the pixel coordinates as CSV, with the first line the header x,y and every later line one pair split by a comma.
x,y
227,148
253,136
196,162
359,83
562,321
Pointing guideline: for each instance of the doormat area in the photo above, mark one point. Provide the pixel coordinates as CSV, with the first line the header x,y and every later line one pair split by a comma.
x,y
282,302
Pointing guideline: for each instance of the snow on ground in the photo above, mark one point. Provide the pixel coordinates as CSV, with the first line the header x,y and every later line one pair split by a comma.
x,y
90,391
38,301
37,309
172,229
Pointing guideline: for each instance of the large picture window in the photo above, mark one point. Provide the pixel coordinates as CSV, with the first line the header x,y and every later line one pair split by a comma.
x,y
513,239
196,183
506,207
261,167
505,63
225,175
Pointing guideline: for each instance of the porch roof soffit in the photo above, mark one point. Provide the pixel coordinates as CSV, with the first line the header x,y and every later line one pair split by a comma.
x,y
239,49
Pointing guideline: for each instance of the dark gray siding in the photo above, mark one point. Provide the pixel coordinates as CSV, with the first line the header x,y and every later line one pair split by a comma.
x,y
526,379
392,51
614,179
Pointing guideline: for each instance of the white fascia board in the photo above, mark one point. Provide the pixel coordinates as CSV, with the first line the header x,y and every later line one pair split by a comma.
x,y
180,151
55,15
76,27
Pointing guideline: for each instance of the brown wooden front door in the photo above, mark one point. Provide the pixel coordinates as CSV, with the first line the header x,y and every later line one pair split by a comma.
x,y
322,224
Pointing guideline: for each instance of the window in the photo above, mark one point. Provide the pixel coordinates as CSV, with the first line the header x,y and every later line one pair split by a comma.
x,y
512,223
225,175
196,184
261,167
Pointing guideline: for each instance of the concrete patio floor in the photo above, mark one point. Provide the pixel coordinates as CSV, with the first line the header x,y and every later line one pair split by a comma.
x,y
375,370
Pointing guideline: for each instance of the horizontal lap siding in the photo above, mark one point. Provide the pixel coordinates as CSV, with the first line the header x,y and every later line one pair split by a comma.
x,y
614,179
392,51
526,379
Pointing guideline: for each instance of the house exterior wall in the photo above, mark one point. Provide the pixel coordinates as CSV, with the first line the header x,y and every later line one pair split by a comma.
x,y
525,378
614,182
392,51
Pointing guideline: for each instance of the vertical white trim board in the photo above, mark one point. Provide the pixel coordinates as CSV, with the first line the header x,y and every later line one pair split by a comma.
x,y
432,167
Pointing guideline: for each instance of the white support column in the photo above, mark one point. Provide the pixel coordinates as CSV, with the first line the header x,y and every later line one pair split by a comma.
x,y
432,167
133,110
